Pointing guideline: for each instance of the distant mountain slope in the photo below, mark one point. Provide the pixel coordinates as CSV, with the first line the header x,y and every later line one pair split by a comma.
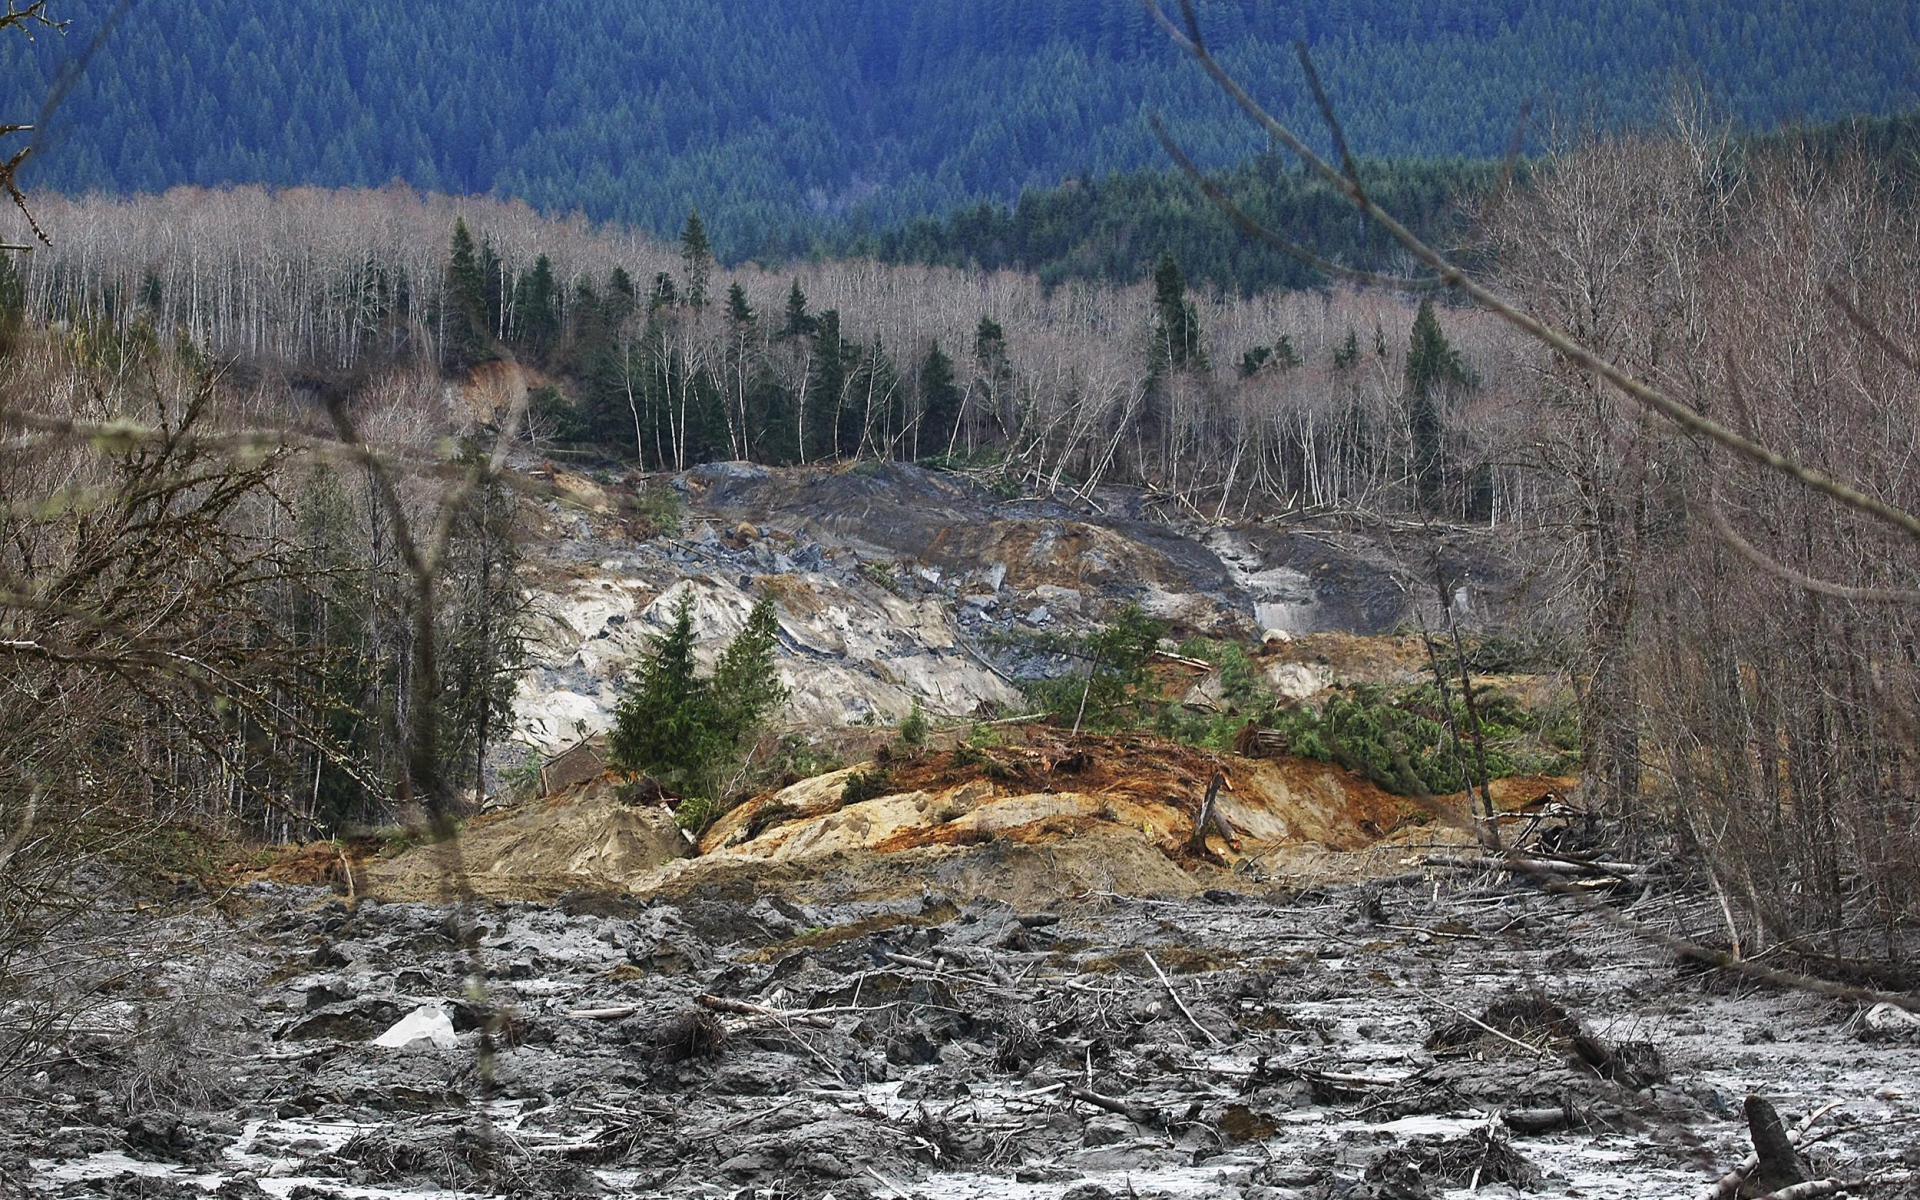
x,y
772,114
1114,228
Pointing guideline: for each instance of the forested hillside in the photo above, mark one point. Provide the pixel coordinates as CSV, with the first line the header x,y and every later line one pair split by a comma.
x,y
783,118
1115,228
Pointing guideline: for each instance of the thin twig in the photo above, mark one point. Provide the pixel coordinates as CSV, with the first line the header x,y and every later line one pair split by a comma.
x,y
1178,1002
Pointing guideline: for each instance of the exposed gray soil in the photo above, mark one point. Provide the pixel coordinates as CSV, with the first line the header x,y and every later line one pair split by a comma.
x,y
1324,1044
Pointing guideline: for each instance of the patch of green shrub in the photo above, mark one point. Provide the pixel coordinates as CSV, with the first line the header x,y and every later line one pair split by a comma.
x,y
913,730
867,785
1118,691
1399,737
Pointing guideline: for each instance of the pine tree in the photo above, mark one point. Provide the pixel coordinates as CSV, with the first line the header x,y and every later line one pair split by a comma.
x,y
738,310
659,725
697,254
464,337
691,732
939,403
990,349
622,297
536,309
798,323
1347,353
1177,337
746,689
12,303
494,287
827,390
1434,372
664,293
483,647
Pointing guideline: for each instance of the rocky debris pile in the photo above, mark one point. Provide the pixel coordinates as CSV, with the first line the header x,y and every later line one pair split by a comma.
x,y
733,1043
1060,814
898,584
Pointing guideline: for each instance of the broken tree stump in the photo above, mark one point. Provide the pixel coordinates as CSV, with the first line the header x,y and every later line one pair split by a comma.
x,y
1779,1165
1211,820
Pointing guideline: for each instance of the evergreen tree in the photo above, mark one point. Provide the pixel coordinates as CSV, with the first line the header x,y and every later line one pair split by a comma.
x,y
494,287
1347,353
1434,373
738,310
697,255
464,336
660,725
826,391
690,732
1177,324
798,323
746,689
939,403
990,349
664,293
12,303
483,650
536,309
622,297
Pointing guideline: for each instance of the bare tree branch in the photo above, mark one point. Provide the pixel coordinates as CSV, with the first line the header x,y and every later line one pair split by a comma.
x,y
1752,553
1567,346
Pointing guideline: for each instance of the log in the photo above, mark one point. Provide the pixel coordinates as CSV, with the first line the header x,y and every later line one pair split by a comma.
x,y
1139,1114
1816,1187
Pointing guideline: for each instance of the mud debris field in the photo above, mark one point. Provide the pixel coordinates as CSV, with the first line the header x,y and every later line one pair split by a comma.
x,y
1424,1035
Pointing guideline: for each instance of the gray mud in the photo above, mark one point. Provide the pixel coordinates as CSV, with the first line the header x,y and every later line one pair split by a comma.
x,y
1326,1044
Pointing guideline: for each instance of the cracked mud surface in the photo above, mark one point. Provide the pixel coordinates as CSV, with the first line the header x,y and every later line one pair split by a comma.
x,y
1329,1043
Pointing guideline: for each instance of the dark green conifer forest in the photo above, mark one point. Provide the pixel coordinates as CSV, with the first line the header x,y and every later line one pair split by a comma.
x,y
788,122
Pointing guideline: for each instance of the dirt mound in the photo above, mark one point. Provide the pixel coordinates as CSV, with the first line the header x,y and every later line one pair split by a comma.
x,y
581,838
1057,787
1060,815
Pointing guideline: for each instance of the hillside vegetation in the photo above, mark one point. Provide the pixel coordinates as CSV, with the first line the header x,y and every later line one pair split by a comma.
x,y
784,118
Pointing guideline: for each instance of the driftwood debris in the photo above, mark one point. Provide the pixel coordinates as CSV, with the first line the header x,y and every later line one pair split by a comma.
x,y
1254,742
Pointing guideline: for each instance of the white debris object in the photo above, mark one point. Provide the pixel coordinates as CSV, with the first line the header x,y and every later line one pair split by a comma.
x,y
424,1024
1885,1018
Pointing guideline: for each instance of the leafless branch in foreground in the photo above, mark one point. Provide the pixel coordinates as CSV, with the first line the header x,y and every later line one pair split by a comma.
x,y
1651,398
1562,343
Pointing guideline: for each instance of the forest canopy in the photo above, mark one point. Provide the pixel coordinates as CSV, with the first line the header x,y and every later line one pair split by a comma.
x,y
784,120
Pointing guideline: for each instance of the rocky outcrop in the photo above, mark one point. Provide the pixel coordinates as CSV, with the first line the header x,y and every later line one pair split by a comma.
x,y
896,584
